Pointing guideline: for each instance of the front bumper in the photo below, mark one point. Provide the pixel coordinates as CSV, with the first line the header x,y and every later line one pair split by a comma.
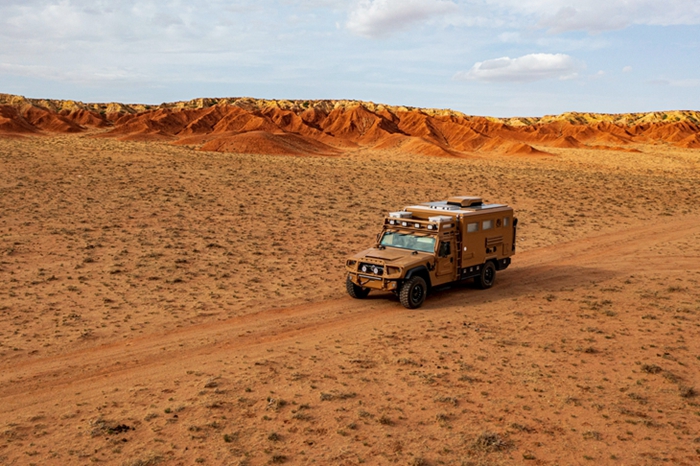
x,y
373,282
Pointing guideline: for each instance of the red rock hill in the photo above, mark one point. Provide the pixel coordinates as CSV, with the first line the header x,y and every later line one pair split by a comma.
x,y
328,127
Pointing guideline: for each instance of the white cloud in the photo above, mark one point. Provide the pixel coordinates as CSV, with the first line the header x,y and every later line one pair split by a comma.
x,y
677,82
86,75
627,69
377,18
102,44
513,37
528,68
601,15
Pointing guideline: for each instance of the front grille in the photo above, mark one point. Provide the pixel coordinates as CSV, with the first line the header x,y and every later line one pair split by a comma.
x,y
372,268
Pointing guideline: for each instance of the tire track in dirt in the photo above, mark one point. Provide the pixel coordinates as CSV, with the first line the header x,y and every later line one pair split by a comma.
x,y
37,381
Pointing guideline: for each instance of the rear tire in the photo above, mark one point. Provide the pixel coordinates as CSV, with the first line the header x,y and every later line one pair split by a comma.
x,y
413,291
355,291
487,277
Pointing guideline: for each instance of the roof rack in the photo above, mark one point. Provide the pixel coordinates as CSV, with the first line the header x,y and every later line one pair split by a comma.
x,y
433,224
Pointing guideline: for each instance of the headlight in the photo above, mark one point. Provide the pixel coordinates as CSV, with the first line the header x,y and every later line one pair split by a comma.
x,y
393,270
372,268
350,263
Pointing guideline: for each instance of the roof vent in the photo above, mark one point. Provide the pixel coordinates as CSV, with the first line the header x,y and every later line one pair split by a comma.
x,y
465,201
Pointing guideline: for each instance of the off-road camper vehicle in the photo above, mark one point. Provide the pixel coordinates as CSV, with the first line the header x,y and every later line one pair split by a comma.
x,y
432,244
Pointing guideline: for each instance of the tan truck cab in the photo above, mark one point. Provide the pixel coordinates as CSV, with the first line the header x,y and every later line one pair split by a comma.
x,y
433,244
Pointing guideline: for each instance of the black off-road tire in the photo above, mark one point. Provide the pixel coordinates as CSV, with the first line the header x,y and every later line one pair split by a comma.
x,y
413,292
355,291
487,277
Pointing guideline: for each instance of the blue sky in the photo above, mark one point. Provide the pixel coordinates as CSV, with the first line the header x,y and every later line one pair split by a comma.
x,y
481,57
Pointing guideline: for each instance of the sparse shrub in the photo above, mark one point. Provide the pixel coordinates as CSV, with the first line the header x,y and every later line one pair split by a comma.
x,y
407,361
671,377
275,404
522,428
418,461
651,368
301,416
490,441
447,399
638,398
150,460
442,418
688,392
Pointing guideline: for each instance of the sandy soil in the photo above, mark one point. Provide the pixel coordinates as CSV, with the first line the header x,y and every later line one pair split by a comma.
x,y
164,305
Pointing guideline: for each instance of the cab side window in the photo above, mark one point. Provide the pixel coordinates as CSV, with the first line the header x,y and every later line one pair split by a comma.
x,y
444,249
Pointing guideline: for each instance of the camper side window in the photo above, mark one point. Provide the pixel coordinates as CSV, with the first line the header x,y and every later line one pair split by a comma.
x,y
488,224
472,227
506,221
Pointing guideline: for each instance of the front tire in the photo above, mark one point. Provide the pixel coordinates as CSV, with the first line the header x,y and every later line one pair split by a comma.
x,y
413,292
487,277
355,291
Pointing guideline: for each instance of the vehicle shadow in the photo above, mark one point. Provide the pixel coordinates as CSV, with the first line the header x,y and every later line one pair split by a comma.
x,y
517,282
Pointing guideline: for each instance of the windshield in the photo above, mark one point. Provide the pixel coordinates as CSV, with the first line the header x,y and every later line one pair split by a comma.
x,y
408,241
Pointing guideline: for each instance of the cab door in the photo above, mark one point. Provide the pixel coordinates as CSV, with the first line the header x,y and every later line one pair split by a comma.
x,y
446,260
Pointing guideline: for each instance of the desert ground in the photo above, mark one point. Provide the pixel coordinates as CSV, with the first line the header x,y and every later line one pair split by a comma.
x,y
162,304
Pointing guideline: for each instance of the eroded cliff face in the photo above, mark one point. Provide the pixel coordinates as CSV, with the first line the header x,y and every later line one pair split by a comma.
x,y
329,127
